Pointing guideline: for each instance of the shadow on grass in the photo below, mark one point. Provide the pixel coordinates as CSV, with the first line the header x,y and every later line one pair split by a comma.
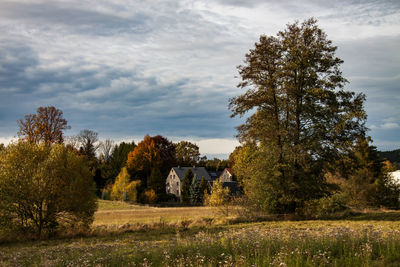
x,y
375,216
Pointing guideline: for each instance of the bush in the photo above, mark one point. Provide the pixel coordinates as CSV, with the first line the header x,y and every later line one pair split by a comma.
x,y
43,187
132,190
150,196
325,207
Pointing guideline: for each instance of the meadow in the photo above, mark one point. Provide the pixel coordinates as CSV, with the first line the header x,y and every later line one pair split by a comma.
x,y
171,237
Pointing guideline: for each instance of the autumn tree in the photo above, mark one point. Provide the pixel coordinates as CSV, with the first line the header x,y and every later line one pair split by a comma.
x,y
144,157
366,179
203,187
302,117
219,197
119,157
124,188
47,125
42,187
150,154
187,153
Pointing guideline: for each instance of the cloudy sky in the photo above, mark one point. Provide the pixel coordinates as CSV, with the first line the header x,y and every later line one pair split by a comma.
x,y
129,68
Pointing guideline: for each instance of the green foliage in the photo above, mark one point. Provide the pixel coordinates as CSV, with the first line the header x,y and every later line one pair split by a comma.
x,y
42,187
367,181
118,158
156,181
195,191
216,164
185,188
326,207
302,121
204,187
187,153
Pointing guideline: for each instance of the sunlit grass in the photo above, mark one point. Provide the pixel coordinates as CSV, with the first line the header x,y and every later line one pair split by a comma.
x,y
158,237
305,243
117,212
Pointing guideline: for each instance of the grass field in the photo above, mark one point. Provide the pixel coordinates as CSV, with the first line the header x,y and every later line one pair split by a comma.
x,y
365,240
117,213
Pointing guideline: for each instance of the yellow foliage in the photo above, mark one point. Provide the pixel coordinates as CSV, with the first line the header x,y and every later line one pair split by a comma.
x,y
219,195
132,190
121,183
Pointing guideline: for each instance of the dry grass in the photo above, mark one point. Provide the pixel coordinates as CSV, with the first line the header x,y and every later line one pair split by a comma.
x,y
118,213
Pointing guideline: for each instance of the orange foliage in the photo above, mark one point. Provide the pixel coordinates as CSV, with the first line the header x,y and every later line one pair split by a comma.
x,y
144,156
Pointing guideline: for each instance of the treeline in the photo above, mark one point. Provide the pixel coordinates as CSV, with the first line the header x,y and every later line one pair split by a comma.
x,y
49,182
392,156
124,171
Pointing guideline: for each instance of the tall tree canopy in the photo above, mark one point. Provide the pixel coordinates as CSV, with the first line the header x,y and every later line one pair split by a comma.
x,y
302,119
155,152
187,153
47,125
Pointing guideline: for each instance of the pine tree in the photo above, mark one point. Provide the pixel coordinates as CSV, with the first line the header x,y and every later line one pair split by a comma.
x,y
185,189
195,191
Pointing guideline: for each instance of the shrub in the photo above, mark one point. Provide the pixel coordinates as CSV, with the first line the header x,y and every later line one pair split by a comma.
x,y
44,186
150,196
325,207
132,190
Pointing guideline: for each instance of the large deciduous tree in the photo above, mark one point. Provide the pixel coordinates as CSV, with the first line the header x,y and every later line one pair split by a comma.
x,y
43,186
187,153
150,154
47,125
303,118
88,142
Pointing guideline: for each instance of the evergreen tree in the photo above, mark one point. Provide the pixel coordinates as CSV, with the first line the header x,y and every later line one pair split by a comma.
x,y
195,191
156,181
203,187
185,188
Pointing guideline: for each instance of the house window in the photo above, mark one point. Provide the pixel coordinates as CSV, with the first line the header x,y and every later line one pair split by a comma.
x,y
177,183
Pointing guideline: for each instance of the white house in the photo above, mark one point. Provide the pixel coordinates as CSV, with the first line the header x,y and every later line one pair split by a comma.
x,y
175,177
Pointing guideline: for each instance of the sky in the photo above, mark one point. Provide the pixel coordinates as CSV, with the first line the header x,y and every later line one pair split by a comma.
x,y
129,68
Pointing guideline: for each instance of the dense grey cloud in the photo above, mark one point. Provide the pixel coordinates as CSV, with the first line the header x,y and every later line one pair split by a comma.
x,y
128,68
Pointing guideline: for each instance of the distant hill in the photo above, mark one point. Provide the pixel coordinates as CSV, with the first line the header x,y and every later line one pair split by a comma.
x,y
392,156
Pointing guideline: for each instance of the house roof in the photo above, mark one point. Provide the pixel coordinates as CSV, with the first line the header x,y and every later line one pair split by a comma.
x,y
229,170
199,171
214,174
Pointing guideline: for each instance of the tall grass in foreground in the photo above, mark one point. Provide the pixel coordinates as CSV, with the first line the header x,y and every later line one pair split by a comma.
x,y
247,245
